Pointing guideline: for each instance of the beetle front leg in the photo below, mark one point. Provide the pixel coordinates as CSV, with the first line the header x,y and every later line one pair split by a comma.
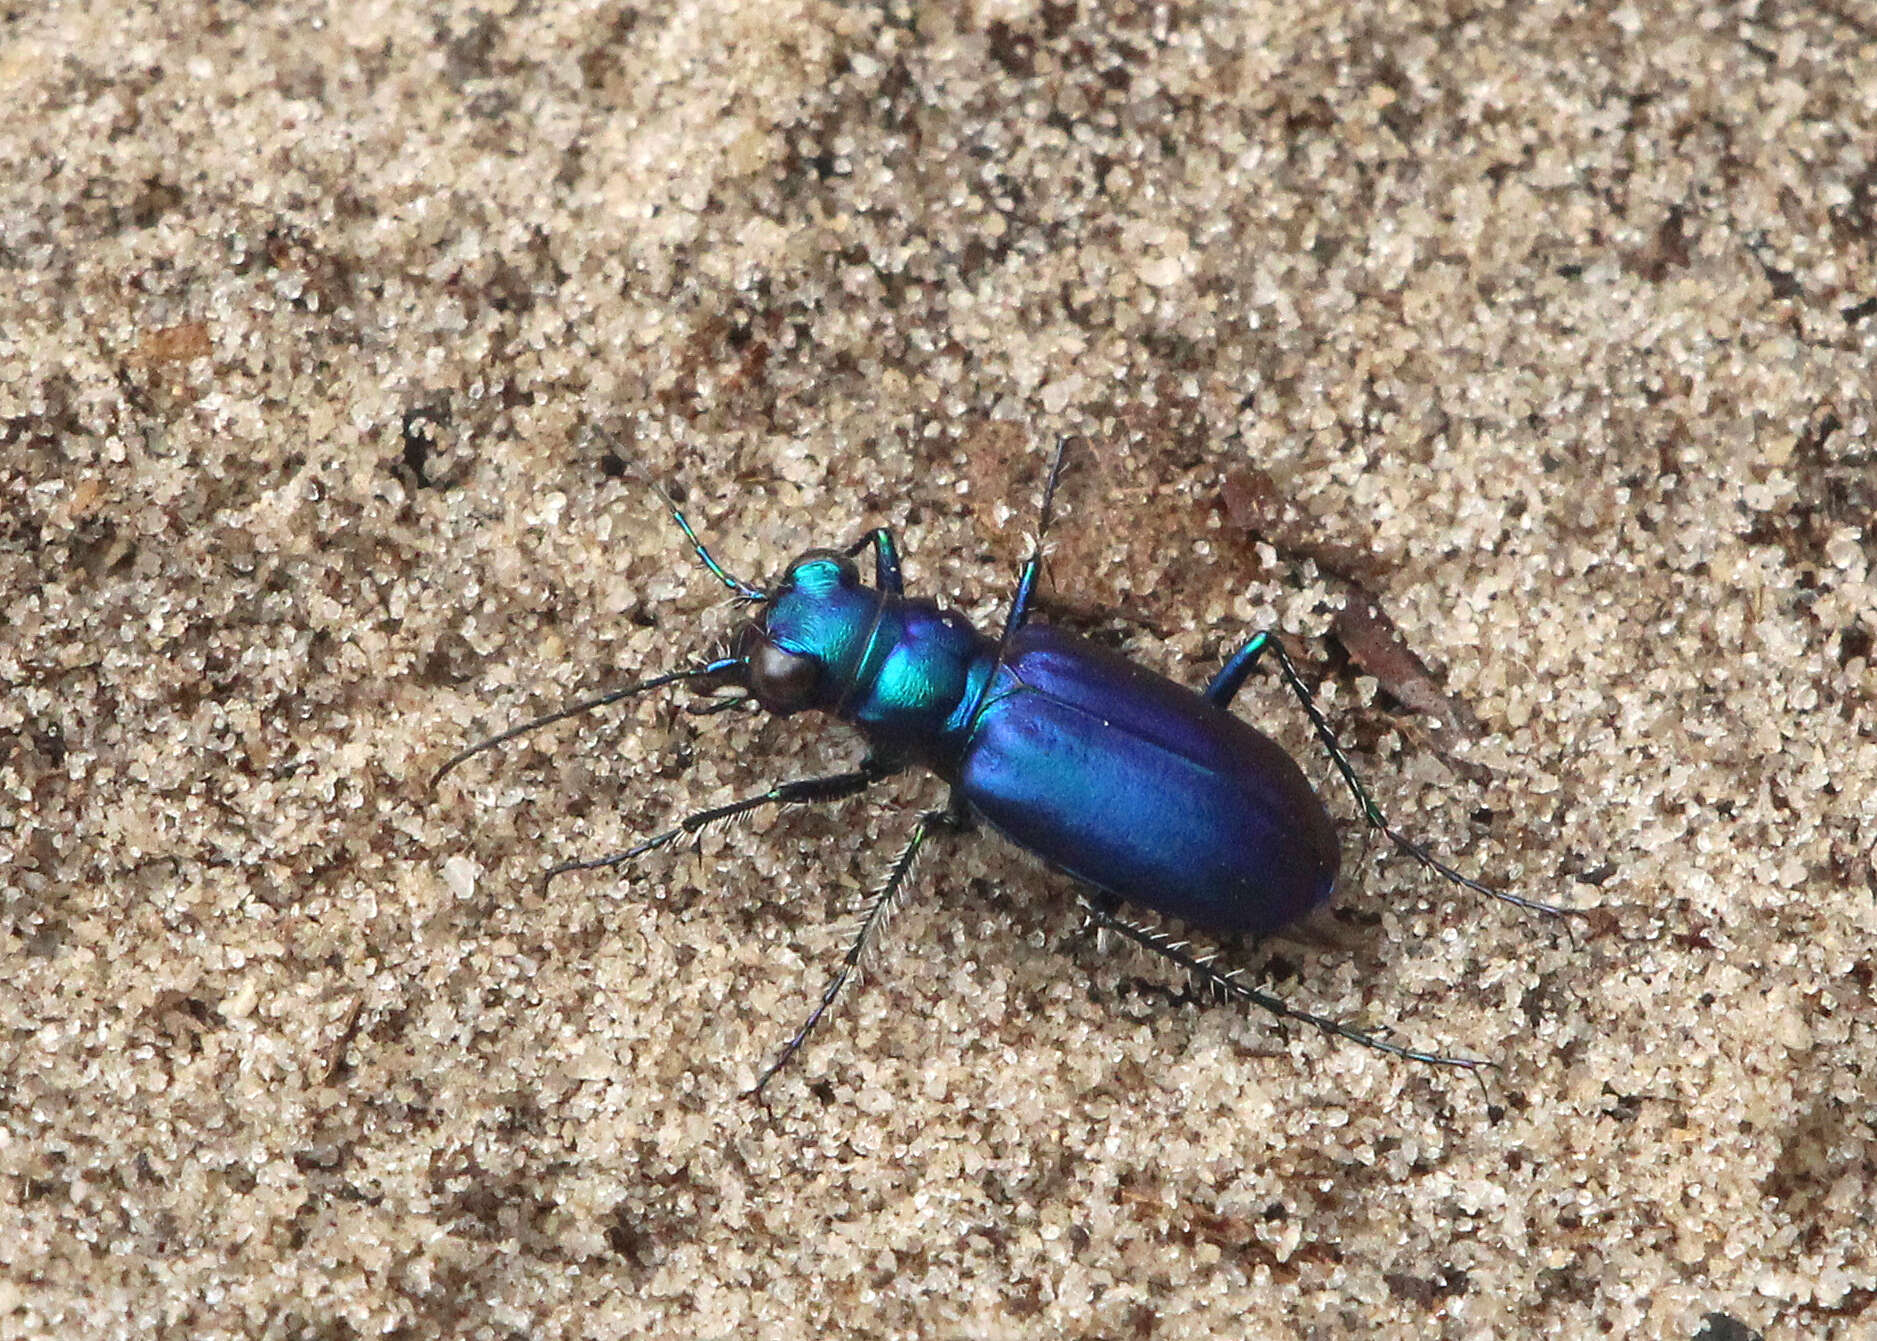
x,y
886,574
833,787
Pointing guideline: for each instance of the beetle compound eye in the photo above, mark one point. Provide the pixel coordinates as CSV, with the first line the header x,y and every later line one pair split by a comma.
x,y
782,681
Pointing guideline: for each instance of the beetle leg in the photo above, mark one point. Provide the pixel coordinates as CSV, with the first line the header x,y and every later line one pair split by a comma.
x,y
886,574
1232,676
1227,986
712,706
879,908
833,787
1093,902
1033,566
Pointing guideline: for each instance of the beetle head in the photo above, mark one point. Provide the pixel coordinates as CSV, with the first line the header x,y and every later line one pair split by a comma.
x,y
801,652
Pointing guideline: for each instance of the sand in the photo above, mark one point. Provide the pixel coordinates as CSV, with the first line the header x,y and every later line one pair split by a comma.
x,y
1551,326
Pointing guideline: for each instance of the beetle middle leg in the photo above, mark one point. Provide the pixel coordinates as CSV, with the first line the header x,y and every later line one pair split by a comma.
x,y
1231,677
874,916
1033,566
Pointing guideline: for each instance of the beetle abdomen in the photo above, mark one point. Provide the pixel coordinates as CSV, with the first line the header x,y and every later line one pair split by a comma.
x,y
1146,790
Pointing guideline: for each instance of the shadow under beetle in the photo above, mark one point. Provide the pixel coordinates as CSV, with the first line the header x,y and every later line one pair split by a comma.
x,y
1145,792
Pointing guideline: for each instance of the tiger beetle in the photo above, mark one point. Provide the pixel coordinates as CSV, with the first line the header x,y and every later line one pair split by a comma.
x,y
1146,793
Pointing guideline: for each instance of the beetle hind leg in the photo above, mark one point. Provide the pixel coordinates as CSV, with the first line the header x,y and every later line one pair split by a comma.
x,y
1199,966
1231,677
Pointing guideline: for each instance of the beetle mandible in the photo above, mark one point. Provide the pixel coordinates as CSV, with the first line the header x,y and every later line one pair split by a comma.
x,y
1145,792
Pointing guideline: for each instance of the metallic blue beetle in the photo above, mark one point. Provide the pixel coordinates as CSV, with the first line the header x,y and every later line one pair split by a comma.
x,y
1146,792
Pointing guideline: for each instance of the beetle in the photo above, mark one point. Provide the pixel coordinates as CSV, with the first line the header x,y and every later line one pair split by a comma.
x,y
1147,793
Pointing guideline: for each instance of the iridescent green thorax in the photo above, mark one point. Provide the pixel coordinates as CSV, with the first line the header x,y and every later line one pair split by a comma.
x,y
903,671
822,611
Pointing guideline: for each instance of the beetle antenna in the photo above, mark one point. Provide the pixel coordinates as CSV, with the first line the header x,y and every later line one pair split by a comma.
x,y
715,668
736,584
742,589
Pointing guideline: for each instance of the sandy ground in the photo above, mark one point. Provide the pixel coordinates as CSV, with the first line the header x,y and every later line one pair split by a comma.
x,y
1551,325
